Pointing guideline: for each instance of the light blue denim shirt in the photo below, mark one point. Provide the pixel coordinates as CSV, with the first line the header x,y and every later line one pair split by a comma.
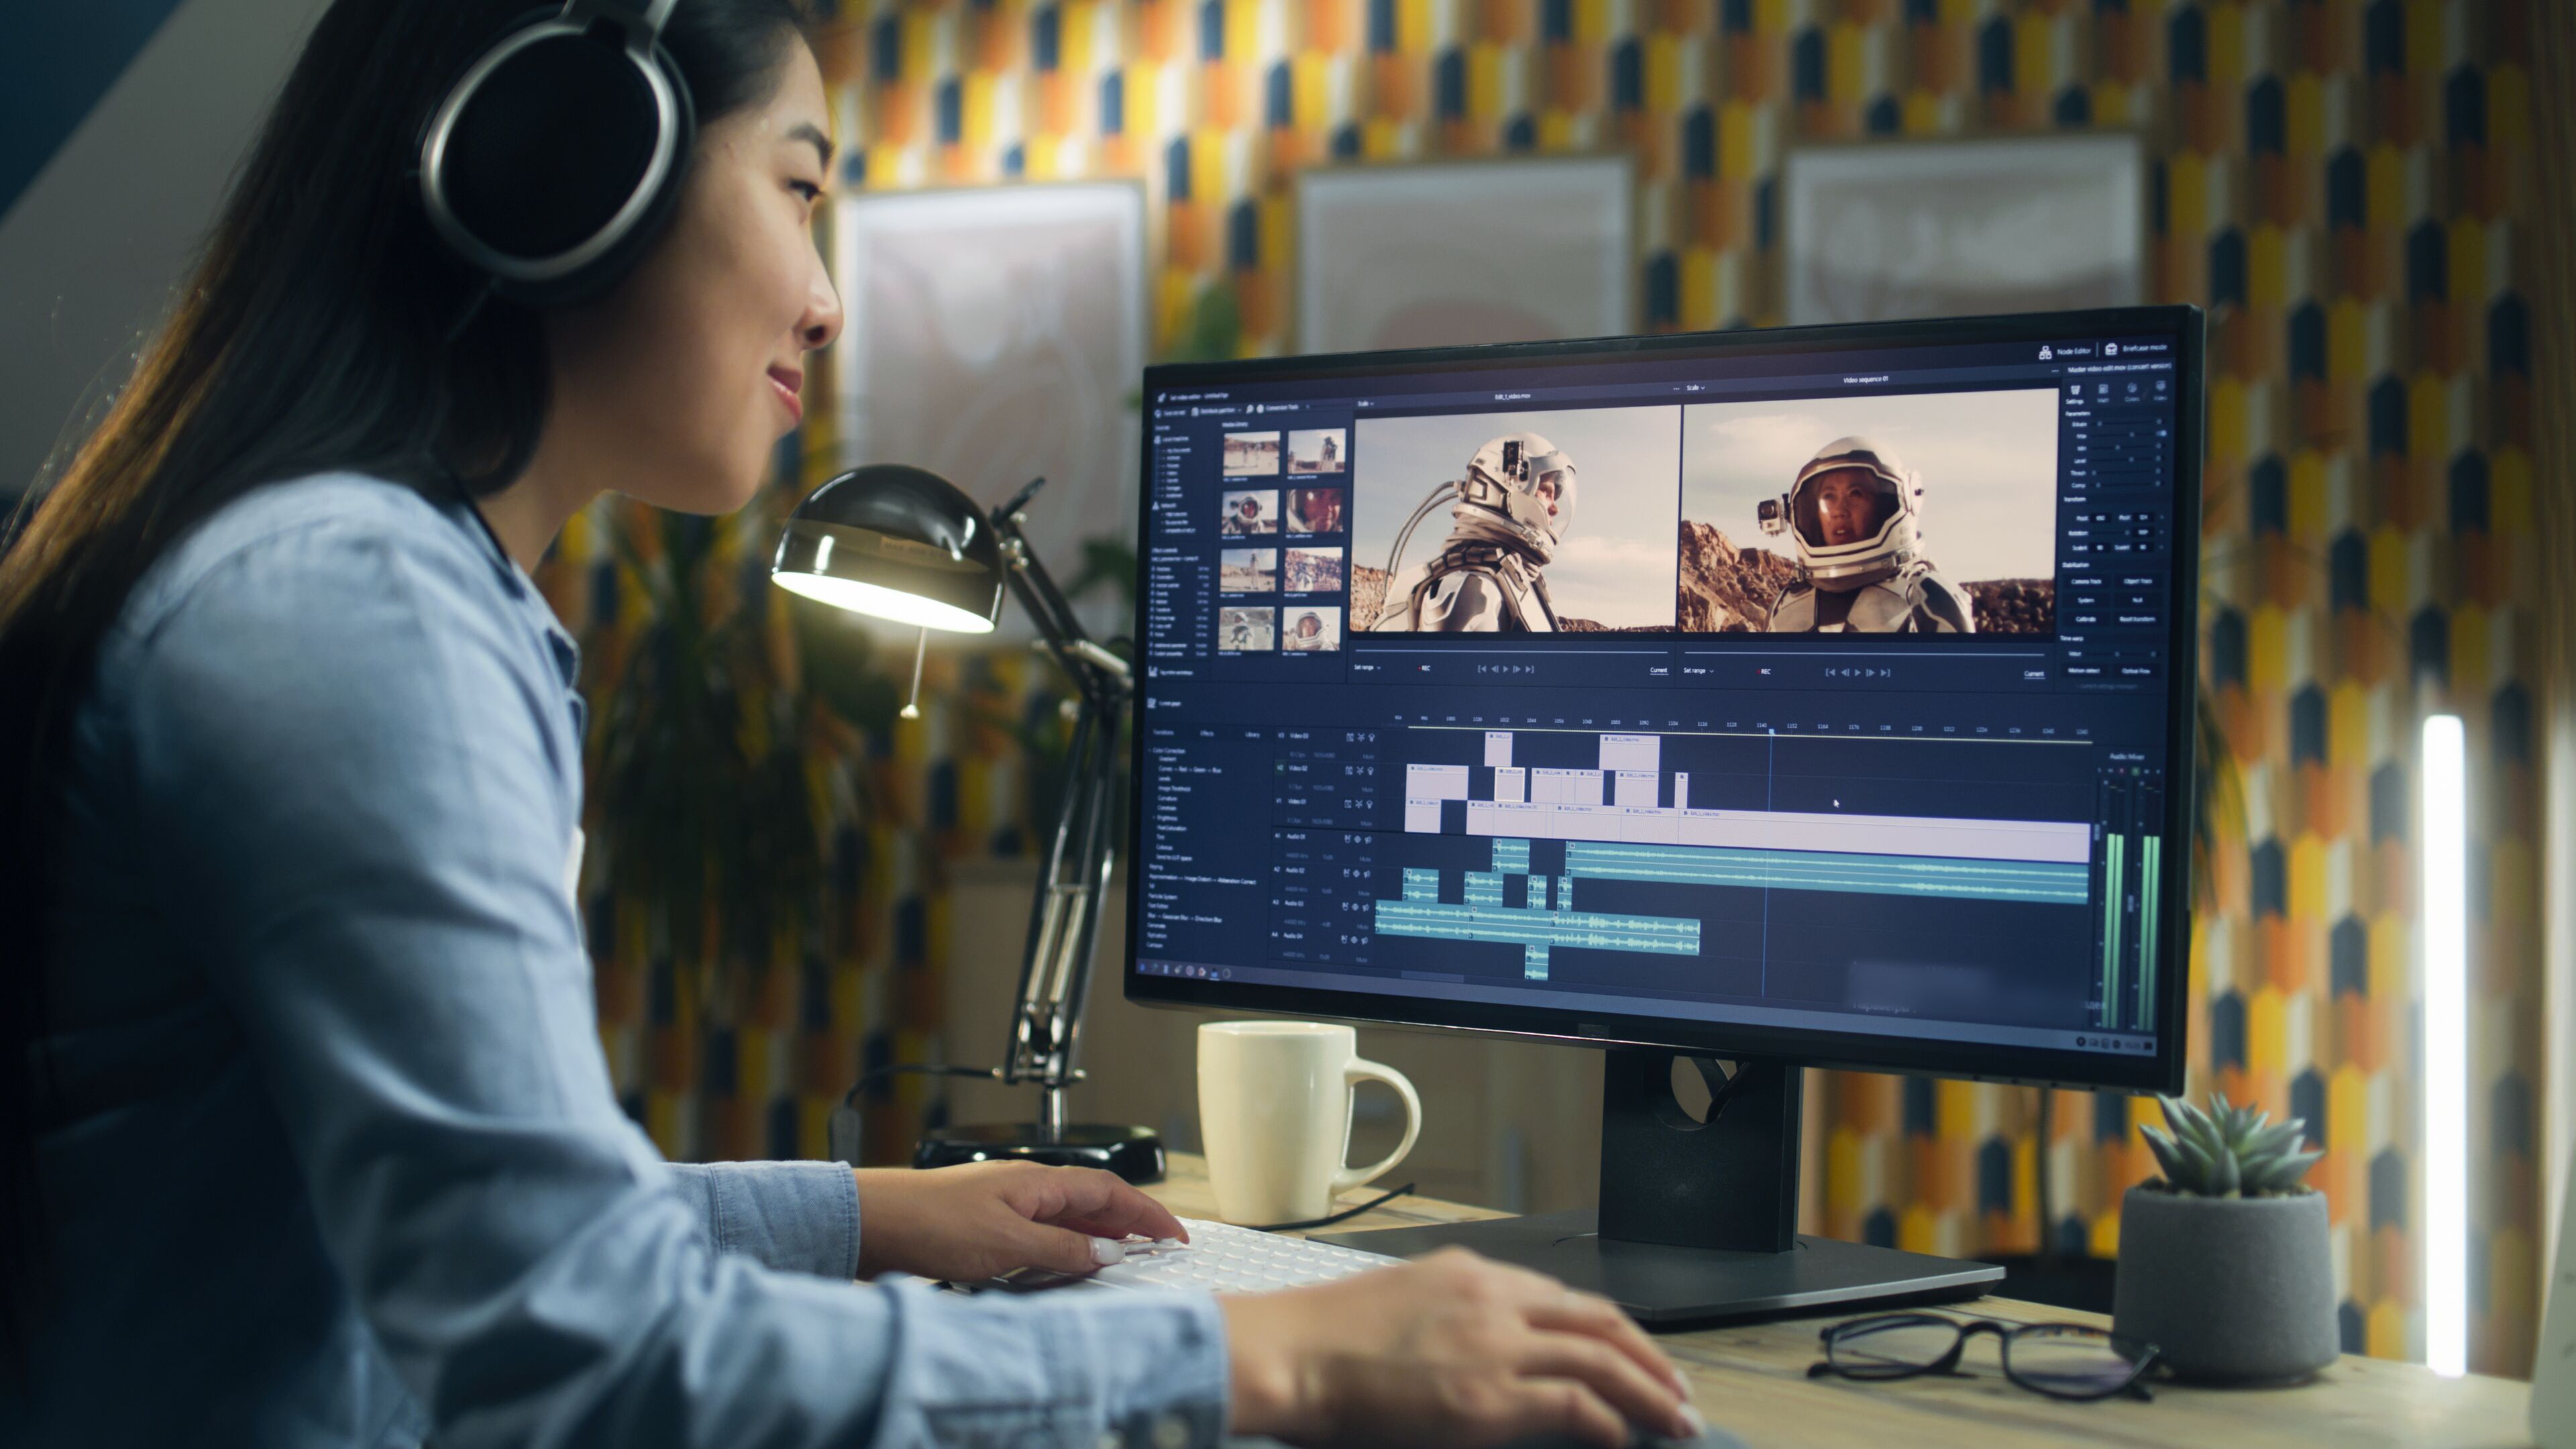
x,y
339,1162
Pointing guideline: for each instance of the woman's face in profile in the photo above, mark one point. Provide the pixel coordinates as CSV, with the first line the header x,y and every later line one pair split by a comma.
x,y
680,383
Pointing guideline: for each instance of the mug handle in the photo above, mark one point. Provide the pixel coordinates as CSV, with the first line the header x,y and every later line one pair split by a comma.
x,y
1362,1071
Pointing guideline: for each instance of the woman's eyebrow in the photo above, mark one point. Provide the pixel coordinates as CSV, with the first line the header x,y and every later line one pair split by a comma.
x,y
808,131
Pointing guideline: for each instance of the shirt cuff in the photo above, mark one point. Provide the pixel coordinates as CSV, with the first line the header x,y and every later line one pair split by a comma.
x,y
798,1217
1070,1369
1164,1373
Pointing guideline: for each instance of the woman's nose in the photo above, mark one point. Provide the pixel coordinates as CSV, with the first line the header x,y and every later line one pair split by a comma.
x,y
822,320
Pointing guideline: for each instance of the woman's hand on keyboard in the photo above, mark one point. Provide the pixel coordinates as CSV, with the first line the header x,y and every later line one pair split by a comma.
x,y
1451,1349
984,1219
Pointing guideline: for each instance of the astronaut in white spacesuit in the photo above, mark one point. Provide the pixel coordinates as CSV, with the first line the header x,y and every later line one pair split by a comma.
x,y
1855,514
1509,514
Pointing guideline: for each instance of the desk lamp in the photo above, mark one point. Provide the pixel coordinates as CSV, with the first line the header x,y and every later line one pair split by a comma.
x,y
907,545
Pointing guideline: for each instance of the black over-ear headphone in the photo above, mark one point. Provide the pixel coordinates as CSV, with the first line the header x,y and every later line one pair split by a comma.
x,y
557,156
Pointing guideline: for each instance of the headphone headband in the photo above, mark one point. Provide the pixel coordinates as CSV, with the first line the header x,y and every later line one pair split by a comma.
x,y
649,17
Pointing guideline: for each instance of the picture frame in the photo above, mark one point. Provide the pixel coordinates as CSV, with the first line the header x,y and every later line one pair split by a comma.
x,y
1883,230
1415,255
994,334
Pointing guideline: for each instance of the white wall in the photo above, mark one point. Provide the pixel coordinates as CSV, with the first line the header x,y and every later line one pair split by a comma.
x,y
89,253
2553,274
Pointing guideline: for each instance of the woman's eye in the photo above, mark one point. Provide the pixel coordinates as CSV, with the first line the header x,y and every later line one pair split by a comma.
x,y
807,189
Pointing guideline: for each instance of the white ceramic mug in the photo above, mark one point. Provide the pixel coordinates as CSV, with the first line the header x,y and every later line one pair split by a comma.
x,y
1275,1116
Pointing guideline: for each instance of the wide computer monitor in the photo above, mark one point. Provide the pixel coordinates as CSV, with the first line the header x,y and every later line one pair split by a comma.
x,y
1818,696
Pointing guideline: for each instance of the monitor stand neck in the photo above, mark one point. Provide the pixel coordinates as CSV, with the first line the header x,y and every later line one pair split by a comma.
x,y
1729,1182
1698,1218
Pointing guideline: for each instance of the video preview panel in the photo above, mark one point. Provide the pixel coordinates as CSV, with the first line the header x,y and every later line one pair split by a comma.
x,y
1542,521
1918,514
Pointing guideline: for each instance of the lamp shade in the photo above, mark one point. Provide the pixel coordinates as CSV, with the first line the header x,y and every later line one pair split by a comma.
x,y
898,543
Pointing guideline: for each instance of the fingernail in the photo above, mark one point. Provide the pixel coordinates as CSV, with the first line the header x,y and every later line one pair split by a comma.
x,y
1106,1251
1694,1420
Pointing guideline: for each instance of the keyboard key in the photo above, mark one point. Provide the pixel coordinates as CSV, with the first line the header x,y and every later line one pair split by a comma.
x,y
1226,1259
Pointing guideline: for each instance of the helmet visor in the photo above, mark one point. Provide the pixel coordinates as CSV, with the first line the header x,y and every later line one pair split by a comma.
x,y
1842,507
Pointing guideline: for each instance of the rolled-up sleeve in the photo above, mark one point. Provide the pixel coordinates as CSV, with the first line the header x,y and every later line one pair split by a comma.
x,y
348,763
797,1217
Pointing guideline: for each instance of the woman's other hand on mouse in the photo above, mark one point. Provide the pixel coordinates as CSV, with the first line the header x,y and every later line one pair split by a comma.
x,y
983,1219
1451,1349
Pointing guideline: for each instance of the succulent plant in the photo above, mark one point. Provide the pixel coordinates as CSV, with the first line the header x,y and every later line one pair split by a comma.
x,y
2230,1151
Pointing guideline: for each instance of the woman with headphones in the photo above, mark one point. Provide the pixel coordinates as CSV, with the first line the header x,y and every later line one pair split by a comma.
x,y
307,1131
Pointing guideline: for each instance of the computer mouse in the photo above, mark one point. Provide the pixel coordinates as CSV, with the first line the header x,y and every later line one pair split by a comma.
x,y
1706,1439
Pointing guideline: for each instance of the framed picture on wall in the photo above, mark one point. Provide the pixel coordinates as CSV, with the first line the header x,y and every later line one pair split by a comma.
x,y
1877,230
994,335
1450,252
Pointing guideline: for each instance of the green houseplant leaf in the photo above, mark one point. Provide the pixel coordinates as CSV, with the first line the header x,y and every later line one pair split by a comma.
x,y
2228,1151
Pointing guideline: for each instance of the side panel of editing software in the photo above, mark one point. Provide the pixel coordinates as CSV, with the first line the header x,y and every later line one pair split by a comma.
x,y
1824,693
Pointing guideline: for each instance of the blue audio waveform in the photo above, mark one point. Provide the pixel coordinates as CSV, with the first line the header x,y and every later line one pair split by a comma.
x,y
1536,930
1947,877
1550,919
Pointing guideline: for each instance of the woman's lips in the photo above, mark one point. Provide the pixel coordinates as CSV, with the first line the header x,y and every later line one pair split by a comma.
x,y
787,384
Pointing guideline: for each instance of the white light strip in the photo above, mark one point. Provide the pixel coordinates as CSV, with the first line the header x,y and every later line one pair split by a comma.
x,y
2444,904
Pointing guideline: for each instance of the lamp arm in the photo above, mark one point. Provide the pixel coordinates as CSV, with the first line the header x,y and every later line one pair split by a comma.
x,y
1064,919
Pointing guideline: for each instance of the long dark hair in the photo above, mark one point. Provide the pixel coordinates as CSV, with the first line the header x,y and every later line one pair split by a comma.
x,y
313,334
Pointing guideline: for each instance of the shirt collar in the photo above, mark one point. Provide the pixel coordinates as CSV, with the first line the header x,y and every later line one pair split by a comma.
x,y
516,583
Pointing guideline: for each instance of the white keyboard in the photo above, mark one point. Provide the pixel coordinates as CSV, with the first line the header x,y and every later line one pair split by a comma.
x,y
1218,1258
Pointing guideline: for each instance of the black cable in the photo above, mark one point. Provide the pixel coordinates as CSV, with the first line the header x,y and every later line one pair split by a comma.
x,y
1344,1215
841,1129
910,1069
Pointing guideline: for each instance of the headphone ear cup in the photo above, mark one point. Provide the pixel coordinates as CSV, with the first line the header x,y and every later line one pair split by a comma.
x,y
628,247
555,162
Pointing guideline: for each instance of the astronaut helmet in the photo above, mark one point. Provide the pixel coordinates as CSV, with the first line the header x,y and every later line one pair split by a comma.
x,y
1873,552
1526,479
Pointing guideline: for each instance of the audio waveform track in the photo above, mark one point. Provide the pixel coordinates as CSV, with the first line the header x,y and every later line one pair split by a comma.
x,y
1549,918
2049,882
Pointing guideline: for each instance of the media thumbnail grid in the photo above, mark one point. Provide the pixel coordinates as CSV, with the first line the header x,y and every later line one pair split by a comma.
x,y
1309,565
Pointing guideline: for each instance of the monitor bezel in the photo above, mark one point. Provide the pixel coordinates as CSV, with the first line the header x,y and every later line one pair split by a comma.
x,y
2161,1071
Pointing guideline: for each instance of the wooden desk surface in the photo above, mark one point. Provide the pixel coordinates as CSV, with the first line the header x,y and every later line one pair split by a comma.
x,y
1752,1379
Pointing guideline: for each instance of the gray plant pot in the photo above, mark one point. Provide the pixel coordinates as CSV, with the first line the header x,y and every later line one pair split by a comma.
x,y
2239,1290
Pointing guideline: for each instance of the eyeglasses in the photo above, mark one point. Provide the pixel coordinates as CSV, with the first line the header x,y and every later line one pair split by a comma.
x,y
2061,1360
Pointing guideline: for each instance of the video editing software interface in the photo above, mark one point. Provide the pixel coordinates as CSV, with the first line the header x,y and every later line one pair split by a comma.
x,y
1801,689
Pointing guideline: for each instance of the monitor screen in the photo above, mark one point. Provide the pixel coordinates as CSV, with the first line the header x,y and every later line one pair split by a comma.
x,y
1820,694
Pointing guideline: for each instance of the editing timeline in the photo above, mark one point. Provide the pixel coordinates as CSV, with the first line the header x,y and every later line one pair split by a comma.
x,y
1689,812
1697,867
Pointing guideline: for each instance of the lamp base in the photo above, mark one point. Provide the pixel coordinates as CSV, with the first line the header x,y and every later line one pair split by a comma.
x,y
1134,1153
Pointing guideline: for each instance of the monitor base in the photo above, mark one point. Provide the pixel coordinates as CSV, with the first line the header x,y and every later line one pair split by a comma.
x,y
1660,1285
